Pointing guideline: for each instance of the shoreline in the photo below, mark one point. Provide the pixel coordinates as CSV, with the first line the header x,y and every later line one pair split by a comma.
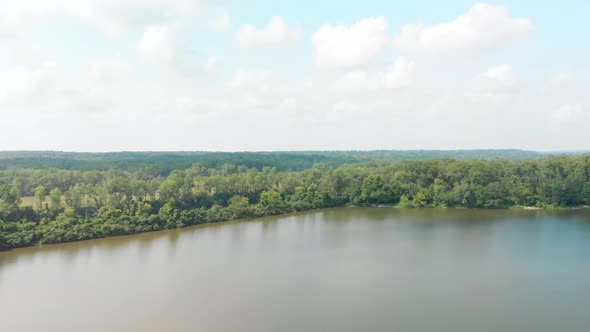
x,y
223,222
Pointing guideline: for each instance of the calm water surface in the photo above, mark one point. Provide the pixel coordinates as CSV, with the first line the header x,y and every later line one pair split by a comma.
x,y
349,269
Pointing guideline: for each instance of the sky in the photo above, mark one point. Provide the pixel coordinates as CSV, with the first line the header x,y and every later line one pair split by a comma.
x,y
263,75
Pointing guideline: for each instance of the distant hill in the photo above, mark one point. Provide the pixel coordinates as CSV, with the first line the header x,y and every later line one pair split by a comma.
x,y
165,162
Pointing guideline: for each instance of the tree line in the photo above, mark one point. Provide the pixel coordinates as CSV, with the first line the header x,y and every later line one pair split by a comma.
x,y
162,163
70,205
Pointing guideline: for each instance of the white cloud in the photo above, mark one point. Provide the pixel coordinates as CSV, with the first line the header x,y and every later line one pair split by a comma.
x,y
105,81
46,87
358,79
211,63
563,78
248,79
398,75
288,105
370,101
344,108
102,106
113,16
194,105
222,23
338,46
261,92
483,27
571,112
500,77
496,84
441,104
158,44
23,80
168,45
108,70
277,32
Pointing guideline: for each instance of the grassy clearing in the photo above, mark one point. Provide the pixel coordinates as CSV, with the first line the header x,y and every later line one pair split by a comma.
x,y
28,201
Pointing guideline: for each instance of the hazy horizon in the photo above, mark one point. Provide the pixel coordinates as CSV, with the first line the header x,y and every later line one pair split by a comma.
x,y
297,151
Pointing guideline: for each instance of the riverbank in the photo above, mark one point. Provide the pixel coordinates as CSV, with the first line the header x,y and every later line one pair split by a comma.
x,y
135,231
73,205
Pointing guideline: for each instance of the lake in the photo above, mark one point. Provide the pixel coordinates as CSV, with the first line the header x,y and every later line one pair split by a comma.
x,y
347,269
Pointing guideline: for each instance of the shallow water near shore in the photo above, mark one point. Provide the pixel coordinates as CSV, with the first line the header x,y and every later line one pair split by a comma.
x,y
346,269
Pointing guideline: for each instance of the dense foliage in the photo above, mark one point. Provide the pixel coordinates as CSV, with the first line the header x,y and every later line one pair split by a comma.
x,y
40,206
162,163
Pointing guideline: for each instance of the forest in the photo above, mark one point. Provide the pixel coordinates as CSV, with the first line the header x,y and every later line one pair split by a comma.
x,y
162,163
49,204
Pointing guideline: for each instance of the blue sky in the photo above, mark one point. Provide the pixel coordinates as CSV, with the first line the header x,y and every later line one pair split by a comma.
x,y
557,38
104,75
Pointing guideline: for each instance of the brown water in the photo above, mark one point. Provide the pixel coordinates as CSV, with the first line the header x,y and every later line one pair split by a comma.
x,y
349,269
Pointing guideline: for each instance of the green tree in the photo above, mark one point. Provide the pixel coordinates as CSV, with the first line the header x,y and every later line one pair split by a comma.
x,y
419,200
168,210
373,191
144,209
126,199
440,191
55,199
39,198
9,202
299,200
272,203
3,244
239,207
474,196
586,193
405,202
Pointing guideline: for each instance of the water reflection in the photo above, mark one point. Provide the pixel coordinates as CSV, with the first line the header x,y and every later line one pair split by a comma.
x,y
349,269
